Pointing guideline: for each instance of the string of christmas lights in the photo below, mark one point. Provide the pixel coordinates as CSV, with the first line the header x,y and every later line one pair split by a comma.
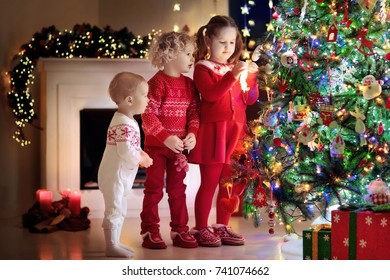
x,y
82,41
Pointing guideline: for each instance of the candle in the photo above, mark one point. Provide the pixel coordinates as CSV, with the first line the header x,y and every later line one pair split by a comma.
x,y
45,198
37,195
75,202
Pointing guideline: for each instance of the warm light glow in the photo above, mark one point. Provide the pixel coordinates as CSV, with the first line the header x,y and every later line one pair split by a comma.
x,y
245,10
270,27
246,32
176,7
243,83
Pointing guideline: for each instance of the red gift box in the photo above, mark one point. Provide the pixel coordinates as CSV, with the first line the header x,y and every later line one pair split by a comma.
x,y
363,235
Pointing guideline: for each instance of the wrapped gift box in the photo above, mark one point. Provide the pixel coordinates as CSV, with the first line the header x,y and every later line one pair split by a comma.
x,y
362,235
317,244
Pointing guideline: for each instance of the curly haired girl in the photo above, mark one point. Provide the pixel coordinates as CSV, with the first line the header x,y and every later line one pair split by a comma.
x,y
170,123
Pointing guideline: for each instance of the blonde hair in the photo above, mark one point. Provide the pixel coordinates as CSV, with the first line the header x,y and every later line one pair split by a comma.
x,y
166,47
124,84
211,29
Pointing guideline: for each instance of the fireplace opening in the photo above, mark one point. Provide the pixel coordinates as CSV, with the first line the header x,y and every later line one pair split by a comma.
x,y
93,131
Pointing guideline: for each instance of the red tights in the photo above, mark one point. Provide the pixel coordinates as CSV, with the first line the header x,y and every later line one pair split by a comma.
x,y
211,175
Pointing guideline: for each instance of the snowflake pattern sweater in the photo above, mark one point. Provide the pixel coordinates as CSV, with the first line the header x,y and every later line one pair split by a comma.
x,y
173,109
122,154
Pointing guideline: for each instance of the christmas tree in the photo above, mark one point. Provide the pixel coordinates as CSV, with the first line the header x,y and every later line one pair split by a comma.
x,y
323,134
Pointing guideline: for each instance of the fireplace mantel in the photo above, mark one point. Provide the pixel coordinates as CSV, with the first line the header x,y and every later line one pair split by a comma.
x,y
68,86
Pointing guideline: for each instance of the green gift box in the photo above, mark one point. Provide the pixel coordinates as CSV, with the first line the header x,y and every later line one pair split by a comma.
x,y
317,243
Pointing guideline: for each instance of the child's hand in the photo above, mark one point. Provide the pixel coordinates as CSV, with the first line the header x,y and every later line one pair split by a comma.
x,y
189,141
146,161
240,67
174,143
252,67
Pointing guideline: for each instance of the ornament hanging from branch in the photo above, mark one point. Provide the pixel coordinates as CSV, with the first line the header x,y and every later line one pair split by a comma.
x,y
283,85
337,147
346,20
303,13
289,59
326,114
367,5
370,87
365,43
388,103
229,204
332,34
383,12
359,126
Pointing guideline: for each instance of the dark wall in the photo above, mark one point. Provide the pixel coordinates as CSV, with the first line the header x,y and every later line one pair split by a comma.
x,y
260,13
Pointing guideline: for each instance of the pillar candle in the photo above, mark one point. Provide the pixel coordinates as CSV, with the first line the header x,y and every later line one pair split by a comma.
x,y
75,203
45,199
37,195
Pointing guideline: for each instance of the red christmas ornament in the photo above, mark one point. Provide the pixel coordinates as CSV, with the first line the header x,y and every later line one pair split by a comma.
x,y
297,11
230,205
271,231
275,14
326,114
365,43
283,85
346,20
387,56
388,103
315,99
260,198
362,162
239,187
380,129
277,142
305,43
305,64
332,33
319,1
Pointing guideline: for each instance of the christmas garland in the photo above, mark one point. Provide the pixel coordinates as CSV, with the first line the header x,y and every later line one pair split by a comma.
x,y
82,41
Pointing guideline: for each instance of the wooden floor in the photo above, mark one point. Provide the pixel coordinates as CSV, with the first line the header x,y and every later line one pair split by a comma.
x,y
17,243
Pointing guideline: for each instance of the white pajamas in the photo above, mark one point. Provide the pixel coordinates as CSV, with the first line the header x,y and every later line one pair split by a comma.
x,y
118,168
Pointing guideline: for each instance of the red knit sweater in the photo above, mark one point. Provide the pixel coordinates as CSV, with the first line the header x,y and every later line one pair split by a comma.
x,y
173,109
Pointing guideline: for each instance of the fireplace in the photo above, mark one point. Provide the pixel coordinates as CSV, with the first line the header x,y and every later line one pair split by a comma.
x,y
69,86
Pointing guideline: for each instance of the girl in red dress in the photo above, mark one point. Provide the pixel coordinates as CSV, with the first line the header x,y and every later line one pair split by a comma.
x,y
222,118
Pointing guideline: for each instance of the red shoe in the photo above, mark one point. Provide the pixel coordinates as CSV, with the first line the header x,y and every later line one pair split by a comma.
x,y
228,236
206,237
153,241
183,239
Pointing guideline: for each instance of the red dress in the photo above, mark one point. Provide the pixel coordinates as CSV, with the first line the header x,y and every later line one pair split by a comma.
x,y
222,113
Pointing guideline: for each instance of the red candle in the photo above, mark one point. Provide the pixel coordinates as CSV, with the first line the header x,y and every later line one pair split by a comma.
x,y
75,203
37,195
45,198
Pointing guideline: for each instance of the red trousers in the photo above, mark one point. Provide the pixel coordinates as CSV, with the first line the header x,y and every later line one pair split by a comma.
x,y
163,165
211,175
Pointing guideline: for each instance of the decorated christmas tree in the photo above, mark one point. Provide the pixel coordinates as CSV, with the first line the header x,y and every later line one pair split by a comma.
x,y
322,137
